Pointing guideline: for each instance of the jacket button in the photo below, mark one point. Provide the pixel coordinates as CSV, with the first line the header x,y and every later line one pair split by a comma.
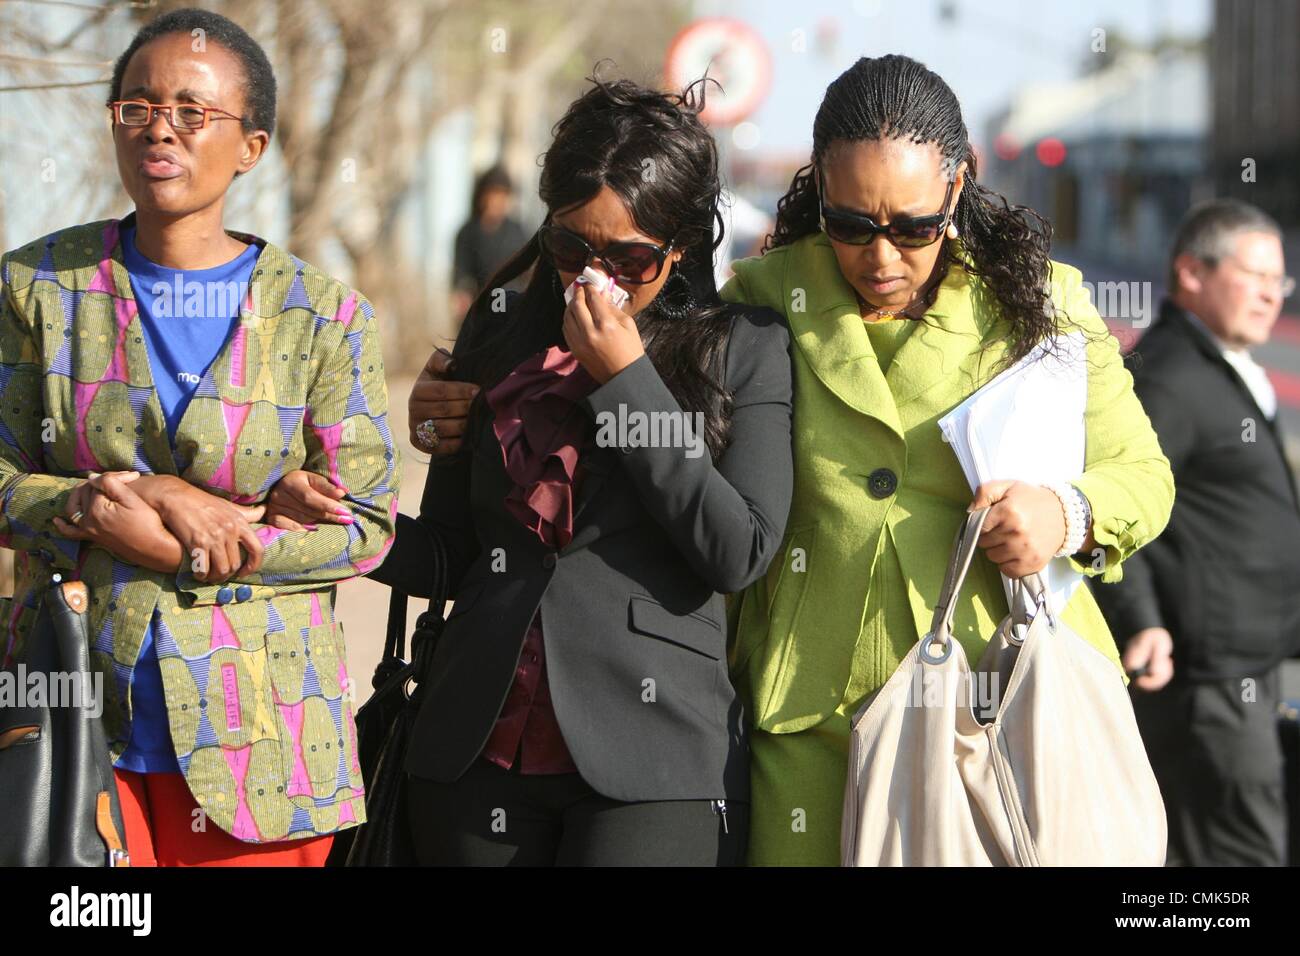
x,y
549,560
882,483
243,592
225,595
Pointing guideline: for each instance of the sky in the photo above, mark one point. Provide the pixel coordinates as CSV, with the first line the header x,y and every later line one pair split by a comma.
x,y
992,48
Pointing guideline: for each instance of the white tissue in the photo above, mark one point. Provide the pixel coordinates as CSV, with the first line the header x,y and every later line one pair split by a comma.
x,y
600,283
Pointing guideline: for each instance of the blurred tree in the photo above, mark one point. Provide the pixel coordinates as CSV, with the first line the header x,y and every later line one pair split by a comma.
x,y
1120,45
363,89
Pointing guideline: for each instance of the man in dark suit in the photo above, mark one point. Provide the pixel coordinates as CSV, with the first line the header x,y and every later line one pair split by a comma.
x,y
1206,613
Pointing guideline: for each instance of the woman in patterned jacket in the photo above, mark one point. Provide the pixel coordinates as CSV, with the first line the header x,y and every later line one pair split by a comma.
x,y
160,375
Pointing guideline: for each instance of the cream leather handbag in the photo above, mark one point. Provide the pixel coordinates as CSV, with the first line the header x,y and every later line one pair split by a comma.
x,y
1031,759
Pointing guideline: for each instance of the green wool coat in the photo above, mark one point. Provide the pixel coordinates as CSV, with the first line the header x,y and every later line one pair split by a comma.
x,y
811,629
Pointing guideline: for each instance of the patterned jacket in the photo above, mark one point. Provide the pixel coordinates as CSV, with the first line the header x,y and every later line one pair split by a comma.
x,y
258,696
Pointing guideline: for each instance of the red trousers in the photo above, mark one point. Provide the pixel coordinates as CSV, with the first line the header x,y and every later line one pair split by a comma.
x,y
158,811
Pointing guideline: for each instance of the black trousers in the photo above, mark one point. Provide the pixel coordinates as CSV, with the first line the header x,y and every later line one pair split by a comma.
x,y
497,817
1216,752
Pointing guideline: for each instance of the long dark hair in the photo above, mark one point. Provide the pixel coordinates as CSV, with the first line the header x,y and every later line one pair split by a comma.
x,y
1007,246
651,149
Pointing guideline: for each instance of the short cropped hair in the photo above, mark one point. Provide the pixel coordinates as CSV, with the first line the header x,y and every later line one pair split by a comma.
x,y
1209,229
259,78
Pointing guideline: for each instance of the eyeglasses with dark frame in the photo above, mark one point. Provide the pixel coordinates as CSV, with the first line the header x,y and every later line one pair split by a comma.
x,y
181,116
628,263
908,232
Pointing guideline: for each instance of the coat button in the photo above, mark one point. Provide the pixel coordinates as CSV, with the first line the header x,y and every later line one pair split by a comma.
x,y
225,595
882,483
243,592
549,561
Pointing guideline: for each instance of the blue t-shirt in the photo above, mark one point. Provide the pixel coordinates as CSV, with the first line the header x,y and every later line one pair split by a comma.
x,y
187,316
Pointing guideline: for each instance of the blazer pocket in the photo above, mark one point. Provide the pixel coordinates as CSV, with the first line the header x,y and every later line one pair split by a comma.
x,y
692,631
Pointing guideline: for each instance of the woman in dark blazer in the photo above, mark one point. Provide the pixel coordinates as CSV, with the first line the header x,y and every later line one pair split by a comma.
x,y
621,469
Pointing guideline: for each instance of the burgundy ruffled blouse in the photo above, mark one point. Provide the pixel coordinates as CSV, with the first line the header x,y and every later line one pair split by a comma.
x,y
540,441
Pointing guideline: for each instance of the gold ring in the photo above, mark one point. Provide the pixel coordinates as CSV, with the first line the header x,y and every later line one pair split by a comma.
x,y
76,518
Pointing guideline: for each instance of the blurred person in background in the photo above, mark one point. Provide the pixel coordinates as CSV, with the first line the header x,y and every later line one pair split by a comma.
x,y
1209,610
160,375
487,239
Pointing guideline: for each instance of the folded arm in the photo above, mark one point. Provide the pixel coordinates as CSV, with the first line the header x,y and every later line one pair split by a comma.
x,y
29,499
346,432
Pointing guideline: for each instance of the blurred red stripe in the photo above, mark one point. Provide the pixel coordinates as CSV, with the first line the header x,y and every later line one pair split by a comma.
x,y
1287,387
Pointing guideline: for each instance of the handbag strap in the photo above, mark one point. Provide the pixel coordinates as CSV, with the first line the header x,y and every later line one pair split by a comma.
x,y
963,551
1029,591
395,636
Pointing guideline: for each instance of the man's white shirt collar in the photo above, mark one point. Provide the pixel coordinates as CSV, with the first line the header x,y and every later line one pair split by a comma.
x,y
1251,372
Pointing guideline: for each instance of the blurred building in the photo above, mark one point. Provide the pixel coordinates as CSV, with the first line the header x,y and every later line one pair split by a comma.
x,y
1255,78
1112,158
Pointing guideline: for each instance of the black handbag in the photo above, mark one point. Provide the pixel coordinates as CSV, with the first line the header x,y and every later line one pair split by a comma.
x,y
58,798
383,732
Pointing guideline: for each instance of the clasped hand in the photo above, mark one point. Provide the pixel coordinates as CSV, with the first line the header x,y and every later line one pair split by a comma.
x,y
154,521
1024,528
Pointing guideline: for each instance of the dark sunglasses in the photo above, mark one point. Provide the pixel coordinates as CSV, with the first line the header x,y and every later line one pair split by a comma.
x,y
628,263
909,232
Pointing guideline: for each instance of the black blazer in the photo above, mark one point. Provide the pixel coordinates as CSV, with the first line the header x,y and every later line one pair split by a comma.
x,y
1224,577
632,609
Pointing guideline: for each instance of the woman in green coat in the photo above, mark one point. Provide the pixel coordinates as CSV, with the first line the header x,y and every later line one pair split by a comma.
x,y
907,286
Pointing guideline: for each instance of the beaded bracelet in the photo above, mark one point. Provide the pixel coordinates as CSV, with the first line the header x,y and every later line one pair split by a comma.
x,y
1078,516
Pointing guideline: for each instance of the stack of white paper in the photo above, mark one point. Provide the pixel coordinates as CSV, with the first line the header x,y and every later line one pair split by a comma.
x,y
1027,425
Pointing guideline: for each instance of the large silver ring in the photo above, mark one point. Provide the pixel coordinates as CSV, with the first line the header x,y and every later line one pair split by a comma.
x,y
427,433
76,518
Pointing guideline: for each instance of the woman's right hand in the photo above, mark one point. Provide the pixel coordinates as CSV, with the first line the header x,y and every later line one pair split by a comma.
x,y
205,523
445,403
109,514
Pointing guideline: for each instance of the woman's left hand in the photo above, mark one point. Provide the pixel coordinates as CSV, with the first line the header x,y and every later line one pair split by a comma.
x,y
203,522
1025,526
603,339
304,498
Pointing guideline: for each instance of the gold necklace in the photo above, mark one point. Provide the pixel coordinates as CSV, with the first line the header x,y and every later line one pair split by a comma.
x,y
886,315
923,301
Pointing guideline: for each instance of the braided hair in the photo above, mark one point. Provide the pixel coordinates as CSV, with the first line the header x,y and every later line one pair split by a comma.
x,y
896,97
